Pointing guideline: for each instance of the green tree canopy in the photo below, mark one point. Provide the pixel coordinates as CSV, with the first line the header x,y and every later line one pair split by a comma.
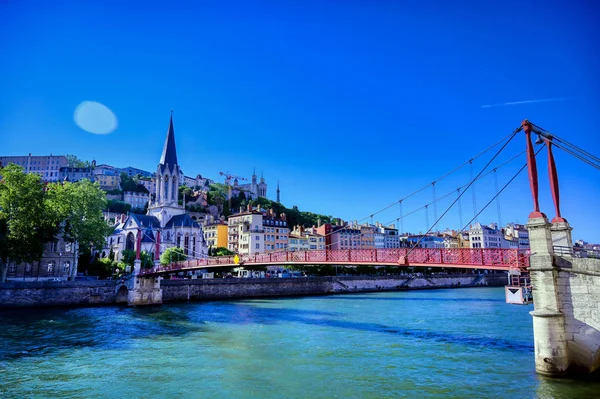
x,y
221,251
79,207
116,206
132,184
75,162
173,254
26,222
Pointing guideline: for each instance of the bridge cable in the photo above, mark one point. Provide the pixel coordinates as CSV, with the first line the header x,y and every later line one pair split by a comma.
x,y
427,216
497,198
553,138
458,189
580,157
434,202
517,130
470,161
499,192
401,220
459,207
473,192
465,186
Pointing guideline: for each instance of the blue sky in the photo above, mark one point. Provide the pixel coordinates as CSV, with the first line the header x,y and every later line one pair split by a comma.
x,y
350,105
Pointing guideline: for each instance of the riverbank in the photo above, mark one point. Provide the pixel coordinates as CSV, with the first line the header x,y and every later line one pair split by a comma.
x,y
92,293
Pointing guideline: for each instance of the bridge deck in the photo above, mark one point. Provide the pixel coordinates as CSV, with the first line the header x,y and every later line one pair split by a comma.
x,y
476,258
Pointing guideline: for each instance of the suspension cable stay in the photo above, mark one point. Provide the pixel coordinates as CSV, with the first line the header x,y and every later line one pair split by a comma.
x,y
568,147
458,190
459,207
517,130
473,192
401,219
498,193
434,201
497,198
470,161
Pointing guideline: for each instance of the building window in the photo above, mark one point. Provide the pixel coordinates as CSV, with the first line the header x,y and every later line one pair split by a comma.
x,y
51,267
66,267
257,246
12,268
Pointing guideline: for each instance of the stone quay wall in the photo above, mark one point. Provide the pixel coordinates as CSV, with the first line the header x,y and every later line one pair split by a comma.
x,y
207,289
57,293
91,293
578,292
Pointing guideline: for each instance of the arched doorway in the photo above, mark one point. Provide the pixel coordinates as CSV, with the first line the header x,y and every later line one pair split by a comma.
x,y
122,295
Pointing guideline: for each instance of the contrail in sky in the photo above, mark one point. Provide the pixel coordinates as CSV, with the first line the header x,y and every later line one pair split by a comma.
x,y
543,100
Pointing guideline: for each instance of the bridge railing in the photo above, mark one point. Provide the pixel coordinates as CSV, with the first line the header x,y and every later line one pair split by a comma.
x,y
491,257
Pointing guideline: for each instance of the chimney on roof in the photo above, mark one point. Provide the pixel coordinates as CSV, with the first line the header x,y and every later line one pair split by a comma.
x,y
249,207
283,216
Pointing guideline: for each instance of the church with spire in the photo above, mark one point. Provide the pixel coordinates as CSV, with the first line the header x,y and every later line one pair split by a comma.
x,y
252,190
166,224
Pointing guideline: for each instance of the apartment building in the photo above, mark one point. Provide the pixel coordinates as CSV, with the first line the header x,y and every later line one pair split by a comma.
x,y
215,235
47,166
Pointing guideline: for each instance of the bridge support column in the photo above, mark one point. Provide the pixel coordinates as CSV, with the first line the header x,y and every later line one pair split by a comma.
x,y
145,290
561,236
551,353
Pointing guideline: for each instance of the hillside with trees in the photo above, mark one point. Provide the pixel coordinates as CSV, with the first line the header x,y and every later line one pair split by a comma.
x,y
217,195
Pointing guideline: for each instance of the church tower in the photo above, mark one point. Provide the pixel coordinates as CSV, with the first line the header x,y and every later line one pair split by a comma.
x,y
166,195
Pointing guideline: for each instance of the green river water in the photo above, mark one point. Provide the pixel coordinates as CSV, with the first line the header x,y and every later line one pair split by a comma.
x,y
459,343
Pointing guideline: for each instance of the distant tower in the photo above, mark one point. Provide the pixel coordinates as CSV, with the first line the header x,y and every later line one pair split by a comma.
x,y
167,181
278,199
254,186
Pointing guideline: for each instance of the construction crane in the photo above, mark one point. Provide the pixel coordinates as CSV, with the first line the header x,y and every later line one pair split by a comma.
x,y
228,177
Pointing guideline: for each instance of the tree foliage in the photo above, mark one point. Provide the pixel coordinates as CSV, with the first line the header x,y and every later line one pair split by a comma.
x,y
75,162
132,184
217,195
173,254
80,206
220,251
128,257
26,222
116,206
103,268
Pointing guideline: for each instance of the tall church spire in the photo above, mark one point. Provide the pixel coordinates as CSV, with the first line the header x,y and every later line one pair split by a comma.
x,y
169,153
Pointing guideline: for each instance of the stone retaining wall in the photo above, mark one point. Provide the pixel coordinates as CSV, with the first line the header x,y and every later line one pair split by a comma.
x,y
57,293
183,290
578,291
86,293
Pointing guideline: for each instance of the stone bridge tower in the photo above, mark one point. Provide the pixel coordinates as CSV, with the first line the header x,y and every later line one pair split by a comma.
x,y
566,288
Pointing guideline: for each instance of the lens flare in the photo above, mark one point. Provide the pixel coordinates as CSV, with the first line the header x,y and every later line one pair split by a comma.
x,y
95,118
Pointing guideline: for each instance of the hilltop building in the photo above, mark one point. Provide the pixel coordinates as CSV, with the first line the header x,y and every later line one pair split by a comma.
x,y
252,190
47,166
166,222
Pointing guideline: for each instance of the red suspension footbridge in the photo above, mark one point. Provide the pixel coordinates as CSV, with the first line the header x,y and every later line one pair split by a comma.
x,y
462,258
506,259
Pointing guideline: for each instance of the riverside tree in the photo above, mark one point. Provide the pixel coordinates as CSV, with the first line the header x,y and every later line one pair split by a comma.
x,y
26,222
78,209
173,254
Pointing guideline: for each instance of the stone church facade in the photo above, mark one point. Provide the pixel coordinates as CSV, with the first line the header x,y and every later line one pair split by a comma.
x,y
166,224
